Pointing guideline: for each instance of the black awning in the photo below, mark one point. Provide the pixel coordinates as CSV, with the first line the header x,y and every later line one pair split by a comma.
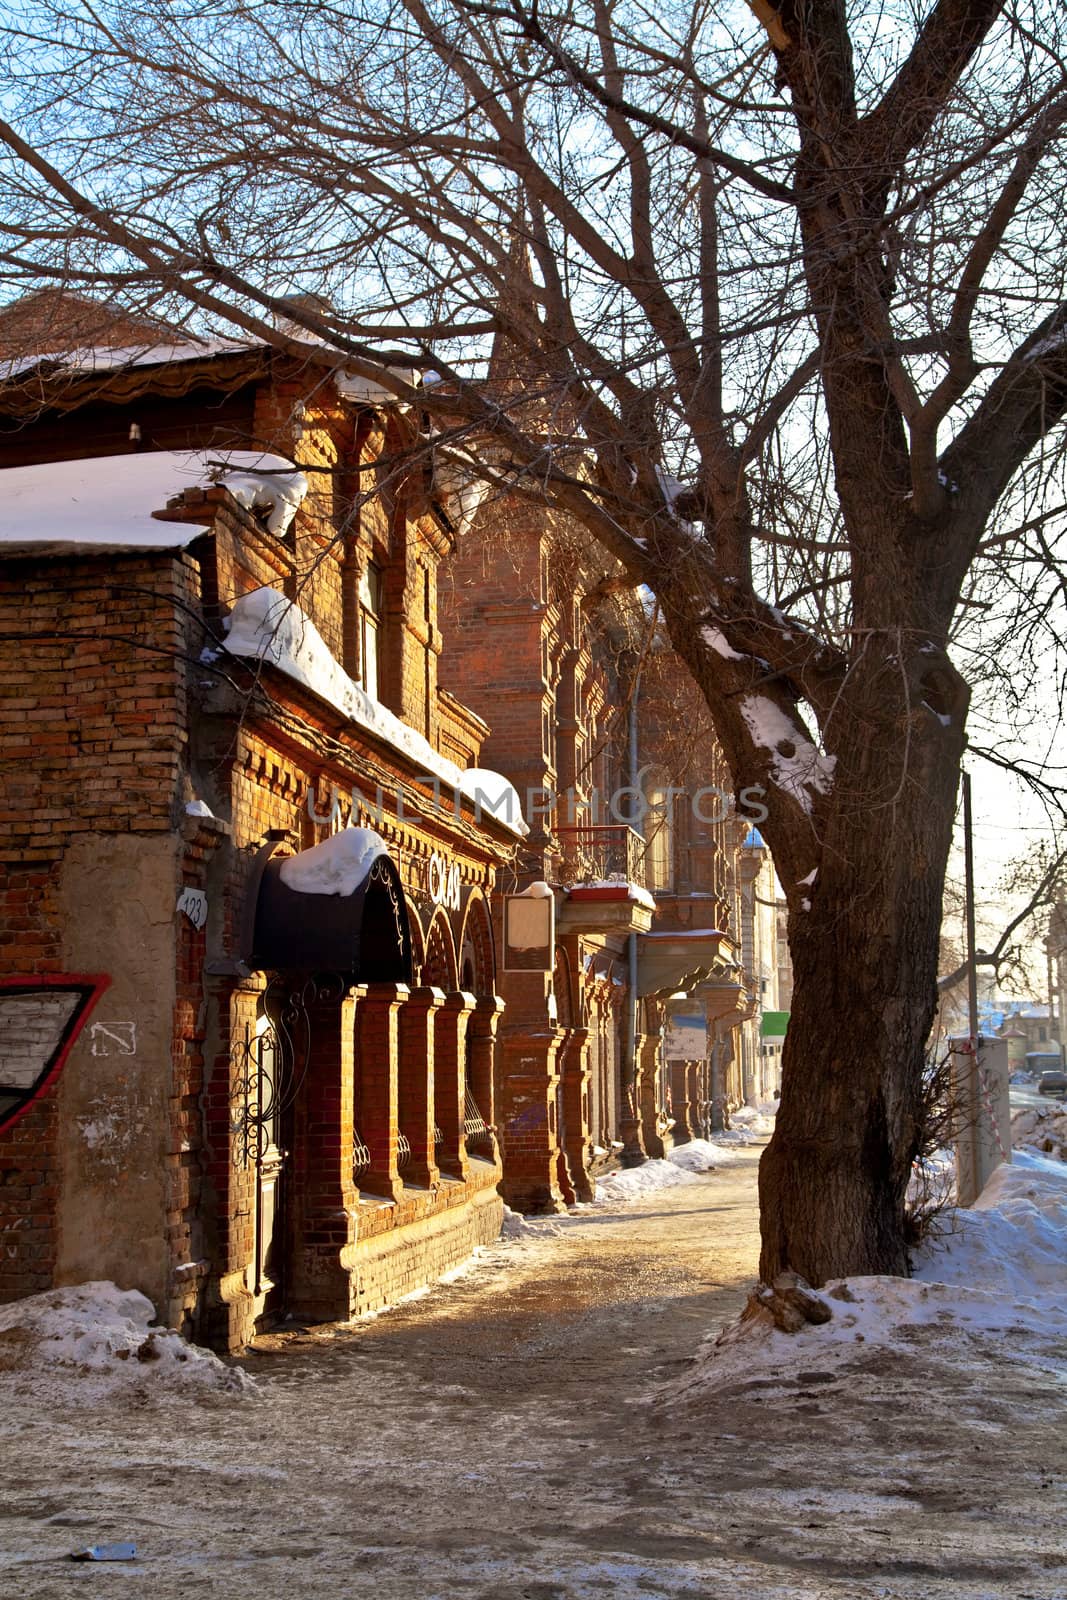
x,y
363,936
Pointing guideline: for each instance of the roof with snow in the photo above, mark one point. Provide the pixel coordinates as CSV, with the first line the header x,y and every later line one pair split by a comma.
x,y
107,502
264,625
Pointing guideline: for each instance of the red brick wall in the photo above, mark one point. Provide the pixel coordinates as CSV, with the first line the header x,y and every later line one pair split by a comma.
x,y
92,731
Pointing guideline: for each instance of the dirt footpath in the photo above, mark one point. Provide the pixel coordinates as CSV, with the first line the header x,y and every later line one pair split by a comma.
x,y
506,1437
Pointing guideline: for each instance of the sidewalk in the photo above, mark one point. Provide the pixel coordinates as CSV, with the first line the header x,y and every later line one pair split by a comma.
x,y
518,1435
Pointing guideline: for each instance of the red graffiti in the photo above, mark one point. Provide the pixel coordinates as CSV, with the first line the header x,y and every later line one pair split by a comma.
x,y
40,1018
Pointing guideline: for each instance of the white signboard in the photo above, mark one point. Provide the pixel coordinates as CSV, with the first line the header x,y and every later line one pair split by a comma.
x,y
529,933
686,1038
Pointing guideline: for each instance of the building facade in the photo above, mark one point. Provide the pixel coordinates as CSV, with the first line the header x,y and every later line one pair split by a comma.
x,y
248,976
632,1035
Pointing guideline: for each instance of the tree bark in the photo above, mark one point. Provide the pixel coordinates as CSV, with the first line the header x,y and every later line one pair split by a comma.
x,y
864,940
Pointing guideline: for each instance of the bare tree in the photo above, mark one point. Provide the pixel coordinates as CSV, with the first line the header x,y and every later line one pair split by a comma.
x,y
769,299
1038,876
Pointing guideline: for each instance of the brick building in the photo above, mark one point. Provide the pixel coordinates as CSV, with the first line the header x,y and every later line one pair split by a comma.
x,y
633,834
709,877
248,991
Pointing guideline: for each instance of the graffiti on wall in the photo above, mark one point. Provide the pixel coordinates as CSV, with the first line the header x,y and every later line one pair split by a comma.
x,y
40,1018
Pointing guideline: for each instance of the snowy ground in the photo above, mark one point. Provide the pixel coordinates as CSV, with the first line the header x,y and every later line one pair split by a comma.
x,y
995,1276
550,1426
1042,1128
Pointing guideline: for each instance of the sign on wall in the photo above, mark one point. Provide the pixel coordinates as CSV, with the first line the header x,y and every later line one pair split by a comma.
x,y
686,1037
530,930
40,1018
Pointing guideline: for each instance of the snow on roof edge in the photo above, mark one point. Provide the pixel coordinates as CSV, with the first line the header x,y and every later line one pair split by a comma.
x,y
266,626
106,503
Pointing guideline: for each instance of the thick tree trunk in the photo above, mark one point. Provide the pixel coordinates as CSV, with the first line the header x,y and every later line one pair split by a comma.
x,y
864,942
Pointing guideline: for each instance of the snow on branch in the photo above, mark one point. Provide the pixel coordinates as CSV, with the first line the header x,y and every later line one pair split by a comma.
x,y
796,766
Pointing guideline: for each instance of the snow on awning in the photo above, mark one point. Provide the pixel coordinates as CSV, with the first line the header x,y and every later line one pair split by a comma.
x,y
108,358
336,866
338,907
107,502
265,626
611,889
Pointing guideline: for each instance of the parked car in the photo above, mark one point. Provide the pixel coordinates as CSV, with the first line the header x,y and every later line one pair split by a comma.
x,y
1052,1083
1038,1061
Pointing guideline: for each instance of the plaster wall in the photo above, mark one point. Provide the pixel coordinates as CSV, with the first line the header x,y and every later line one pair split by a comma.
x,y
117,897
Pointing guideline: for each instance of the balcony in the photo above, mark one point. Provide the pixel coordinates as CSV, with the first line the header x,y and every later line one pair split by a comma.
x,y
610,852
602,871
685,959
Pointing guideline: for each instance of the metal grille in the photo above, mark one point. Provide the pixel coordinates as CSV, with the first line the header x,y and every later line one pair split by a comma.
x,y
475,1128
403,1151
607,851
360,1155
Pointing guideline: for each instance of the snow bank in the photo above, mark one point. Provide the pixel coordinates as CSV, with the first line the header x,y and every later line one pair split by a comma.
x,y
684,1164
1042,1129
704,1155
999,1274
516,1226
756,1121
94,1342
268,627
336,866
633,1182
1013,1240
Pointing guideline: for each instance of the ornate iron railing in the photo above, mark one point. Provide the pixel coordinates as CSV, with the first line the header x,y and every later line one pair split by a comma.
x,y
476,1131
605,852
270,1062
360,1156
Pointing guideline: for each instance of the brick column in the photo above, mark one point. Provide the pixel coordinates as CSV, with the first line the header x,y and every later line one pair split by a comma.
x,y
682,1110
657,1141
694,1077
323,1193
529,1144
450,1079
377,1068
481,1055
717,1084
229,1315
415,1035
574,1070
631,1124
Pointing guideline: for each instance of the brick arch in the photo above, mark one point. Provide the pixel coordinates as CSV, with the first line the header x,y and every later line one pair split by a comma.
x,y
477,951
562,988
439,967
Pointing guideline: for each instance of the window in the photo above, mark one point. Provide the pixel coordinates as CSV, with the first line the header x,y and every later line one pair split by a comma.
x,y
370,607
658,830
